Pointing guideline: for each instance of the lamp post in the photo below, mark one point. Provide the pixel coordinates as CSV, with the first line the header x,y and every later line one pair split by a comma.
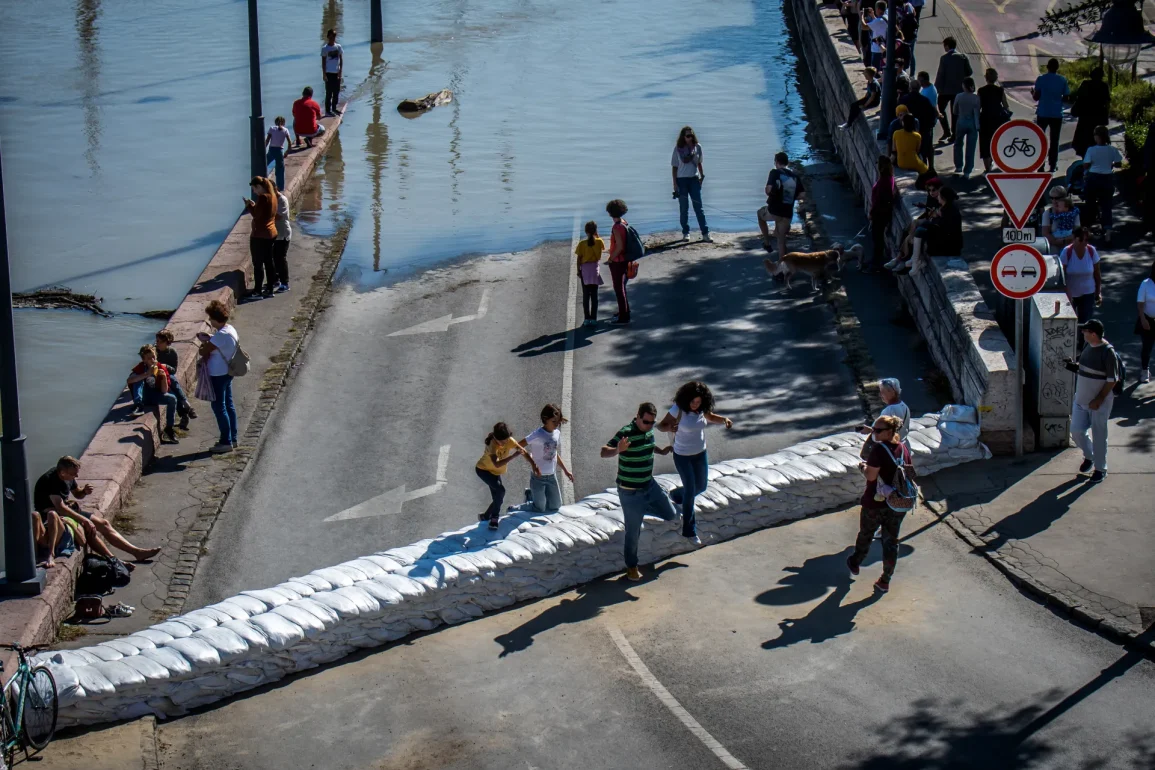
x,y
376,31
257,119
1121,33
21,578
890,74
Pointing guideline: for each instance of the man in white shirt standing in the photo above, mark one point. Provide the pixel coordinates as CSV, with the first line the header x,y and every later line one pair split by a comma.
x,y
332,64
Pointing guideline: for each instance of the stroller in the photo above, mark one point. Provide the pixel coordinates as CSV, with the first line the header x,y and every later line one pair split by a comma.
x,y
1077,179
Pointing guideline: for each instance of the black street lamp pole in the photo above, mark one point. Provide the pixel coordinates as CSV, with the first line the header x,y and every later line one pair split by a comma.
x,y
22,578
257,120
376,31
890,74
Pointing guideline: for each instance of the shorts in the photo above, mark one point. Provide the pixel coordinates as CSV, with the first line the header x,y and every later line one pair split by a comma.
x,y
68,539
765,216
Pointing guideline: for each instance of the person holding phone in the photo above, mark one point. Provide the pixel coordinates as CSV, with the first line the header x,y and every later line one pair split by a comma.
x,y
218,350
262,207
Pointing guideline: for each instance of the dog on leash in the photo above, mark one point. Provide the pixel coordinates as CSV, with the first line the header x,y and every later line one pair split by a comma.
x,y
818,265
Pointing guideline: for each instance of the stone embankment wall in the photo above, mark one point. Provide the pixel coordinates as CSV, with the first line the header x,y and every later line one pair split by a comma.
x,y
263,635
963,336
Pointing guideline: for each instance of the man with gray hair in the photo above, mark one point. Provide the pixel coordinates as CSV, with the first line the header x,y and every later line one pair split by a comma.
x,y
890,390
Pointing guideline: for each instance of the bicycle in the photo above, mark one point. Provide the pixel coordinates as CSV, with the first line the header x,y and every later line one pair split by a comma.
x,y
1023,145
28,709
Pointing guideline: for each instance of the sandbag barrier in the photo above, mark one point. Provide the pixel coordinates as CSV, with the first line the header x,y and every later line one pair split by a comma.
x,y
261,636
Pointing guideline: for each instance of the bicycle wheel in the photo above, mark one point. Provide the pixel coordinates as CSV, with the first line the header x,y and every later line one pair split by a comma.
x,y
39,723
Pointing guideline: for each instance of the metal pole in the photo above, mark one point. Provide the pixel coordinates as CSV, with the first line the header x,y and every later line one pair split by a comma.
x,y
934,8
891,74
1018,378
376,31
257,120
22,578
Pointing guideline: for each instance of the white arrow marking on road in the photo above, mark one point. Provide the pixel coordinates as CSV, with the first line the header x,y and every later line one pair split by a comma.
x,y
391,501
443,323
1007,48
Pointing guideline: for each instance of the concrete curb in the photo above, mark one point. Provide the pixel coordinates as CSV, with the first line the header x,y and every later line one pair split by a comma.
x,y
123,447
262,636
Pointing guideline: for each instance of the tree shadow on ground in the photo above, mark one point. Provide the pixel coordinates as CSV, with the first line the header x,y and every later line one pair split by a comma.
x,y
591,599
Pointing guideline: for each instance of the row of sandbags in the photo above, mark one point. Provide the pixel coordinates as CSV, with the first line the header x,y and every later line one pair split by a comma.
x,y
262,635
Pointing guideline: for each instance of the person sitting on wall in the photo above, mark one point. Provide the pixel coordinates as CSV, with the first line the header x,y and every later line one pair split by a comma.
x,y
307,118
871,99
907,142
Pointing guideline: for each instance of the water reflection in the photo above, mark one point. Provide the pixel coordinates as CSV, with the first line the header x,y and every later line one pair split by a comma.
x,y
333,17
88,54
377,151
455,170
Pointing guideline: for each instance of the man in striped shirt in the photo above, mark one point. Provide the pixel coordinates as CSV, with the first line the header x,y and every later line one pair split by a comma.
x,y
1098,371
639,494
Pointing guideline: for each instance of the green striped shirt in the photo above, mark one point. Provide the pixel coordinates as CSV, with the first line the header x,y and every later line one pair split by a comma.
x,y
636,464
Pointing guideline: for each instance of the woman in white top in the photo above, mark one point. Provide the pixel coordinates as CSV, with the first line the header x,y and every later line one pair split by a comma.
x,y
1145,325
687,419
1080,263
890,391
218,350
281,242
1101,160
966,126
688,176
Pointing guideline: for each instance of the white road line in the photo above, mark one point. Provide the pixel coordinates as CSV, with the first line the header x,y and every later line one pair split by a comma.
x,y
567,494
671,702
443,464
1007,48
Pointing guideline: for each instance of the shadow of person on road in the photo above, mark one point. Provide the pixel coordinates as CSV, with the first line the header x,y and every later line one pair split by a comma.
x,y
1038,515
592,599
555,343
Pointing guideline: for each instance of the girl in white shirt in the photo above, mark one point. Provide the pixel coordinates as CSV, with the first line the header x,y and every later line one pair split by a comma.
x,y
1101,161
1145,324
687,419
217,351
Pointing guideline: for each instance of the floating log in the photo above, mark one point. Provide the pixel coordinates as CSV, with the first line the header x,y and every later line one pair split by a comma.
x,y
411,108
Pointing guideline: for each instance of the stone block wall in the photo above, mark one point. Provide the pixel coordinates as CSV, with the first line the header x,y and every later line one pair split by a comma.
x,y
263,635
963,336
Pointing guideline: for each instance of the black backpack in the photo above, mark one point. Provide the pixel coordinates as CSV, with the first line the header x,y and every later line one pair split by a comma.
x,y
101,575
1118,389
635,250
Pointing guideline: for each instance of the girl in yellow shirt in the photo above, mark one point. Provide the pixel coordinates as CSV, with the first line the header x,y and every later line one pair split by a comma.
x,y
906,145
589,254
500,449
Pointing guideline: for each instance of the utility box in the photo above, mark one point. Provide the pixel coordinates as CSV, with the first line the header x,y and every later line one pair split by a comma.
x,y
1051,336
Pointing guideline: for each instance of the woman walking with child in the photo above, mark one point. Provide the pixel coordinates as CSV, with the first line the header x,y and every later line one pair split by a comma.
x,y
500,449
589,255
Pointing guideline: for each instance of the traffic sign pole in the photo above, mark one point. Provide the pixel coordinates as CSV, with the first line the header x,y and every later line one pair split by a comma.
x,y
1019,377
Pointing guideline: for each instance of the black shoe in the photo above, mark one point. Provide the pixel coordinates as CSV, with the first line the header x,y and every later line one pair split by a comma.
x,y
1097,476
850,565
169,437
192,413
493,523
183,424
483,517
621,321
1086,467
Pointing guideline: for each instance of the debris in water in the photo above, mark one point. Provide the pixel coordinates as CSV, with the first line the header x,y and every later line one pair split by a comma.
x,y
411,108
59,297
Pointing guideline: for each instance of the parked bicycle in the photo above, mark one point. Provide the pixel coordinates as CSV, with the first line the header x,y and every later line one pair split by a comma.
x,y
28,708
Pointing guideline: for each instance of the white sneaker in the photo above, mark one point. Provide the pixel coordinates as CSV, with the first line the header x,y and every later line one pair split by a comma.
x,y
1145,375
707,239
892,264
695,540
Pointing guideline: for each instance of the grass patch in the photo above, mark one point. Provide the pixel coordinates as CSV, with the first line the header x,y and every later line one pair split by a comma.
x,y
70,633
125,522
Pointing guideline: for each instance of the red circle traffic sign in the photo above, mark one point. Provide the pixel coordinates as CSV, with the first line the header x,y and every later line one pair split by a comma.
x,y
1018,271
1018,146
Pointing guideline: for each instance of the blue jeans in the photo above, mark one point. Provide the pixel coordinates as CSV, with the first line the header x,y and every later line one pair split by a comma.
x,y
277,154
496,492
223,408
544,492
650,500
137,391
167,400
693,469
690,187
967,129
1095,422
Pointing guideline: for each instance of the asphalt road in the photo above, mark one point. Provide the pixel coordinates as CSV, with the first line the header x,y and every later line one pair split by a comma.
x,y
766,643
370,411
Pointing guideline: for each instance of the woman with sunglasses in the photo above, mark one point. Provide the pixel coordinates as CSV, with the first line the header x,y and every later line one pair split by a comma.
x,y
881,464
688,176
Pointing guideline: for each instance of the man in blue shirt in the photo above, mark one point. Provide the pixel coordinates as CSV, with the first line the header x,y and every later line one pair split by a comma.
x,y
1050,91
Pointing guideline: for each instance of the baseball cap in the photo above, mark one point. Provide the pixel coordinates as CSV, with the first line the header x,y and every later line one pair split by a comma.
x,y
1093,325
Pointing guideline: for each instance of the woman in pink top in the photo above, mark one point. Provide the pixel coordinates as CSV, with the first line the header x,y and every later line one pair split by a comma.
x,y
619,265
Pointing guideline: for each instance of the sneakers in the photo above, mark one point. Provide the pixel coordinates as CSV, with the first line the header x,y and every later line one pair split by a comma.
x,y
483,516
137,411
706,238
1086,467
281,288
694,539
494,523
850,565
183,424
1145,375
882,585
169,436
221,448
894,263
634,574
1097,477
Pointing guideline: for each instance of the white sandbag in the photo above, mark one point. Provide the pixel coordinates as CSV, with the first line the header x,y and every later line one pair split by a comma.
x,y
268,597
226,642
280,631
406,555
366,605
140,641
959,413
420,574
384,595
556,536
796,471
367,566
106,654
335,577
384,562
122,646
146,667
479,560
812,447
829,461
175,662
963,431
94,682
118,674
199,653
284,590
773,476
234,610
314,581
249,604
68,689
253,634
298,587
407,587
499,558
539,546
71,657
352,571
301,617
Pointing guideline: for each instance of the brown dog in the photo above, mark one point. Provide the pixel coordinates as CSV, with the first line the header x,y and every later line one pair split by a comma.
x,y
816,264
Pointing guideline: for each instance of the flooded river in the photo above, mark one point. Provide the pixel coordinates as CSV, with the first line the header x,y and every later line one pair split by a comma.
x,y
124,129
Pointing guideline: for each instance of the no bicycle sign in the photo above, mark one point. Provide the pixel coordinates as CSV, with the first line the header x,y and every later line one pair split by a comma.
x,y
1019,146
1018,271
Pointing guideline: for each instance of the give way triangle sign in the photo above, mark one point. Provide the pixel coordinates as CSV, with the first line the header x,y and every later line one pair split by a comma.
x,y
1019,193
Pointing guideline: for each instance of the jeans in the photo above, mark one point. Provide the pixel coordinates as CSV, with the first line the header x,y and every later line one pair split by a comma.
x,y
1054,125
224,409
281,260
926,149
1083,420
618,276
544,492
650,500
694,471
945,102
1084,306
154,398
277,154
332,91
1146,343
864,44
496,491
182,404
966,129
590,301
1101,194
690,189
261,250
868,521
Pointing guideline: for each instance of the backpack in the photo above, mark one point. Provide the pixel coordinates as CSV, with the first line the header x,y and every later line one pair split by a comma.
x,y
1118,389
634,248
239,363
904,495
97,577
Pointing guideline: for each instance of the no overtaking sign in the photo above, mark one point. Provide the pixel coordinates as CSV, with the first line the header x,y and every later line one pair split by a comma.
x,y
1018,271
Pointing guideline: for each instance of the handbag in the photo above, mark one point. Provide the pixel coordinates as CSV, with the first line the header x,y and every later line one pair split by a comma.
x,y
204,388
239,363
631,270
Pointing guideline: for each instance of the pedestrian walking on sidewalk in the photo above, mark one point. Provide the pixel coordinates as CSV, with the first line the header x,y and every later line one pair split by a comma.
x,y
281,242
1084,287
332,67
953,67
277,143
1097,372
1050,91
883,199
1092,107
589,255
1101,160
639,494
688,174
993,112
882,465
852,15
1145,324
687,420
621,244
783,188
218,350
500,449
544,447
866,36
966,125
263,209
920,98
